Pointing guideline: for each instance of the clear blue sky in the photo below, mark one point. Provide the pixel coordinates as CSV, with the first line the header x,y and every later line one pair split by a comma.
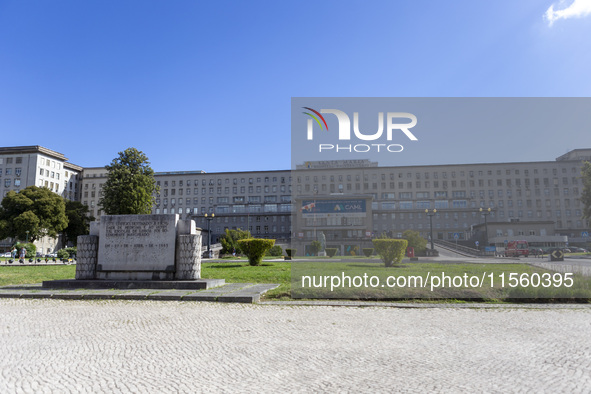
x,y
207,85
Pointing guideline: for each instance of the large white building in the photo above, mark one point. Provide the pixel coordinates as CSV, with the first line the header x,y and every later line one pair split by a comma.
x,y
394,198
24,166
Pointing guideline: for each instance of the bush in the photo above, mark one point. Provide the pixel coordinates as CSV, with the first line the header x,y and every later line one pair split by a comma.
x,y
315,247
255,249
63,254
390,250
275,251
30,248
73,251
415,241
367,252
230,240
290,252
331,252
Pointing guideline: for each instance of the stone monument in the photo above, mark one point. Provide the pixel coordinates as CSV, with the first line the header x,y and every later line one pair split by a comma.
x,y
153,251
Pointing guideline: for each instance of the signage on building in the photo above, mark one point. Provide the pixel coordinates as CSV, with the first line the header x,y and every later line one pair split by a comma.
x,y
335,208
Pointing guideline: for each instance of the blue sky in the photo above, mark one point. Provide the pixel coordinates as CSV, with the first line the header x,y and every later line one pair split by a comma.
x,y
208,85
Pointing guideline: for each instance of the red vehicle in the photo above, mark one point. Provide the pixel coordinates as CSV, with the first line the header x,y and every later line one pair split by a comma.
x,y
516,249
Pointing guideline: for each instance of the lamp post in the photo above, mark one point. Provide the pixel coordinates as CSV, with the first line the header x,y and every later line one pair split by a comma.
x,y
485,212
430,213
27,235
314,208
209,219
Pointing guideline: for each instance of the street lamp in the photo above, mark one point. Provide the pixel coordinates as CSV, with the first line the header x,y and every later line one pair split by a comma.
x,y
485,212
430,214
27,235
209,219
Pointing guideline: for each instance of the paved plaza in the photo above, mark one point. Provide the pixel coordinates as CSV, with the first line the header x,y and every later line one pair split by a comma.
x,y
50,345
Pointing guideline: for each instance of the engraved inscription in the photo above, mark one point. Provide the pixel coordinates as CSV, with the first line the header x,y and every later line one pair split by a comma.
x,y
137,242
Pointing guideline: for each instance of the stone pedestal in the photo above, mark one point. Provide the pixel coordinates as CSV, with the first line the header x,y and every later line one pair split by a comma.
x,y
140,248
86,257
188,257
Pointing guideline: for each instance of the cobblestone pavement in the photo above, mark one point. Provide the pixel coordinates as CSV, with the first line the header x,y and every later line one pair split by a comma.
x,y
149,346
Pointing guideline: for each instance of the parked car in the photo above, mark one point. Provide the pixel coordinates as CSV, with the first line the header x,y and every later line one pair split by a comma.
x,y
566,250
580,250
7,254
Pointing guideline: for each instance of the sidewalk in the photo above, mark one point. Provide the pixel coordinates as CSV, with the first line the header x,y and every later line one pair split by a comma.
x,y
231,292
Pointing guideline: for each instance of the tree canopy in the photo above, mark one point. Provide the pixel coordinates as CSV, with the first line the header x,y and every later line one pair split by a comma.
x,y
586,193
415,241
230,240
36,210
130,185
78,221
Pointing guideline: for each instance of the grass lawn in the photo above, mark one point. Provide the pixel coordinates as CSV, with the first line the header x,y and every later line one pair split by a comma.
x,y
15,275
238,270
425,281
241,272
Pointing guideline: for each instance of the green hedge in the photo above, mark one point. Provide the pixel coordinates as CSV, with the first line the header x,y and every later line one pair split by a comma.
x,y
390,250
331,252
63,254
367,252
255,249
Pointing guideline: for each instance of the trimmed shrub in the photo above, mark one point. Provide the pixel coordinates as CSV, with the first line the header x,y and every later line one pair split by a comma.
x,y
367,252
390,250
275,251
290,252
331,252
63,254
255,249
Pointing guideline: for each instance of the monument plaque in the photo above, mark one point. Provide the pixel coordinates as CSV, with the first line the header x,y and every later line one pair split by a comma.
x,y
138,243
139,252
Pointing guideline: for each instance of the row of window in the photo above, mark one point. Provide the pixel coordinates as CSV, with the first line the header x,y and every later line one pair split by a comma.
x,y
49,174
427,185
50,163
251,189
435,175
378,228
9,160
212,182
443,204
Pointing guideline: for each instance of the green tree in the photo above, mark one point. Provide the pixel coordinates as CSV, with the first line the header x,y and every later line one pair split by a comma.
x,y
586,193
32,213
130,185
315,247
78,222
230,240
415,240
